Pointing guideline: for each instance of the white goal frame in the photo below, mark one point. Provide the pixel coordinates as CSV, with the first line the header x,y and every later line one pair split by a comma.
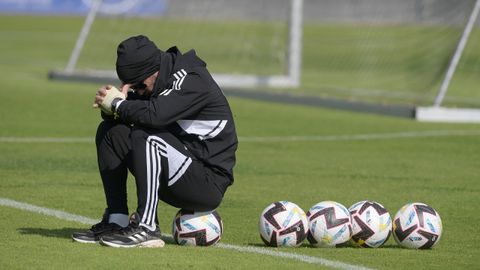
x,y
437,113
291,79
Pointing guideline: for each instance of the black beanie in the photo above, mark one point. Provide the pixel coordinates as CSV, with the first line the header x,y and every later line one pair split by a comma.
x,y
137,59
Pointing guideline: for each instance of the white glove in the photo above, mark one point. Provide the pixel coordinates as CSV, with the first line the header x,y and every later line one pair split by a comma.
x,y
112,93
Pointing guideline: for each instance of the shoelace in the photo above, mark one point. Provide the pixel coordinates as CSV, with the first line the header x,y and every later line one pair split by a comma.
x,y
129,229
99,225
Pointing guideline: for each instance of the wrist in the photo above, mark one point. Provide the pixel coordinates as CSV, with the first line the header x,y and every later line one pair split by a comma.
x,y
116,104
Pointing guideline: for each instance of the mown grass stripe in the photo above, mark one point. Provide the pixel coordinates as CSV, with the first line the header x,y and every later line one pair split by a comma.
x,y
246,249
351,137
366,137
46,140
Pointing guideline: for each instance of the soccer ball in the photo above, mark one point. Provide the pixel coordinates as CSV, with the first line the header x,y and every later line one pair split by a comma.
x,y
283,223
371,224
417,225
197,228
329,224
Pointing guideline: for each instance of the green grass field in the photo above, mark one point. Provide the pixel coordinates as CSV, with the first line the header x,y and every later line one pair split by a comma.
x,y
438,169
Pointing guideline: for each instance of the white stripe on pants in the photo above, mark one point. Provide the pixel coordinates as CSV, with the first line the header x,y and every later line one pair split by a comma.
x,y
178,163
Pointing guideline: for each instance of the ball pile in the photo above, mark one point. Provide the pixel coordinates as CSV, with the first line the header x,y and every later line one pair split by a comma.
x,y
326,224
364,224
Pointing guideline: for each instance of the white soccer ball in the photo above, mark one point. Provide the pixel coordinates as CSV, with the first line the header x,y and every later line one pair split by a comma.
x,y
197,229
371,224
283,223
417,225
329,224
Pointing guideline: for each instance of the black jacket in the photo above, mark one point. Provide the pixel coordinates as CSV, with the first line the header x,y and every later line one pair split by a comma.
x,y
187,102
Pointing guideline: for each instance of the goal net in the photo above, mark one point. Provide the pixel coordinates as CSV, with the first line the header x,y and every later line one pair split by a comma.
x,y
389,52
245,43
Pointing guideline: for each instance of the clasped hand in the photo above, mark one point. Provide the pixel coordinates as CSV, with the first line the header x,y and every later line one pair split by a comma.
x,y
106,94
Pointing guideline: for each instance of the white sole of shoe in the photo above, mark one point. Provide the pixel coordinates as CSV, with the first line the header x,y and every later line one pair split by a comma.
x,y
84,241
157,243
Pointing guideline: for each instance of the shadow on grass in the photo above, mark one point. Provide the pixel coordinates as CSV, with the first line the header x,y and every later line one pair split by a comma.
x,y
66,233
168,240
307,245
57,233
391,246
261,245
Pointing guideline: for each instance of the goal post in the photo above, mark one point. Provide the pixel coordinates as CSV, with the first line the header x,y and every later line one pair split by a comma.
x,y
456,56
291,51
437,113
418,54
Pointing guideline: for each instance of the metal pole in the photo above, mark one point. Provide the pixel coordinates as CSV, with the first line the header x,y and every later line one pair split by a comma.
x,y
295,41
72,62
456,57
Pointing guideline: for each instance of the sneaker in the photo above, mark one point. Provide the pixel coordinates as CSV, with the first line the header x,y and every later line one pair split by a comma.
x,y
133,236
98,230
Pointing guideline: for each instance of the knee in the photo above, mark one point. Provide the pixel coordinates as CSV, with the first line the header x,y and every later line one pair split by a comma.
x,y
119,131
112,131
113,138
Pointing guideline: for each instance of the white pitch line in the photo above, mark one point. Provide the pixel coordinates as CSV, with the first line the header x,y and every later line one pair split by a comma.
x,y
298,257
247,249
351,137
46,211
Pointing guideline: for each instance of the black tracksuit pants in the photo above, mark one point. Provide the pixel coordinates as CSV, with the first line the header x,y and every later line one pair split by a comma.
x,y
163,168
